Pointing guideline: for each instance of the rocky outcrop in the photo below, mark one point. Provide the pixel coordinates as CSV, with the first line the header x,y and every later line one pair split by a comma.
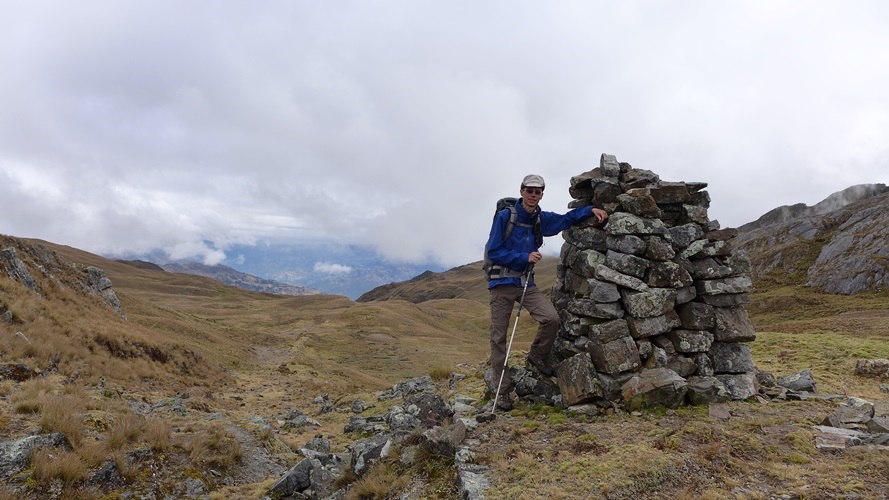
x,y
18,372
836,246
16,455
100,285
16,269
655,296
38,269
438,428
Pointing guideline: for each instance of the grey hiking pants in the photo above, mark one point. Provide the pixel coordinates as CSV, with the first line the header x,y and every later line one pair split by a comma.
x,y
503,299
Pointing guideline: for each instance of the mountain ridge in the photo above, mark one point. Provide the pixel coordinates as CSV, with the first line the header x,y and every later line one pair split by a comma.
x,y
236,278
834,201
839,245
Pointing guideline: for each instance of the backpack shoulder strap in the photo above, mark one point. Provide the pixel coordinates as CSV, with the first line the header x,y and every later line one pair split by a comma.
x,y
513,222
510,224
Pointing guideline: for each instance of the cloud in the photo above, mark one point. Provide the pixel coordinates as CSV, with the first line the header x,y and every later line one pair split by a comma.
x,y
127,129
328,268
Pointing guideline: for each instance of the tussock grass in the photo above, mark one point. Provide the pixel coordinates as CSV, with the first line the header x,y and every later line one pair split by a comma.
x,y
31,393
93,453
383,480
51,464
440,373
62,414
214,447
125,428
157,434
27,407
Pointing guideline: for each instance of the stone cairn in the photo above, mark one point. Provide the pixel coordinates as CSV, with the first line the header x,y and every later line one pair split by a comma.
x,y
652,304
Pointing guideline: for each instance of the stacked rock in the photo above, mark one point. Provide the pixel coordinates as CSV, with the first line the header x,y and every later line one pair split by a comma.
x,y
651,304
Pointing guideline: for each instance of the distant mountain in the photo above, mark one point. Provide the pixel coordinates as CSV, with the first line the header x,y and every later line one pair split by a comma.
x,y
330,268
463,282
833,202
348,270
840,245
245,281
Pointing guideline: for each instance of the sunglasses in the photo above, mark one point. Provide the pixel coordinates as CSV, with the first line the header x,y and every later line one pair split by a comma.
x,y
534,191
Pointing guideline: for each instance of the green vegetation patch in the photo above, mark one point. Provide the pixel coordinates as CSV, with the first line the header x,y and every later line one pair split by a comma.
x,y
630,470
831,356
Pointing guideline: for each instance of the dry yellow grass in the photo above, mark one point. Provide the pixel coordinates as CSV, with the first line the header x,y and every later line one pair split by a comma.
x,y
125,428
62,414
157,434
384,480
213,447
48,465
243,354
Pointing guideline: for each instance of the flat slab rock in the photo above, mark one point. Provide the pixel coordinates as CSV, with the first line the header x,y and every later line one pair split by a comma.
x,y
654,387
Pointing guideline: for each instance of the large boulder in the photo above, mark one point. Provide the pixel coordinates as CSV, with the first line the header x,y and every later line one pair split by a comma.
x,y
739,385
366,452
733,357
577,380
878,368
444,441
649,303
732,324
312,477
706,390
655,387
799,381
432,408
534,387
619,355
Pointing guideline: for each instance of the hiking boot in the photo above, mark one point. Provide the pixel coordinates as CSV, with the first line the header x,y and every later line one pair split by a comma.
x,y
540,365
504,403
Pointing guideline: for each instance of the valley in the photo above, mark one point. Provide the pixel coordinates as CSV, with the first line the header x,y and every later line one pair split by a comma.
x,y
213,377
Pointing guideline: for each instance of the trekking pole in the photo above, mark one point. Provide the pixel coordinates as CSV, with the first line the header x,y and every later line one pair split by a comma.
x,y
529,274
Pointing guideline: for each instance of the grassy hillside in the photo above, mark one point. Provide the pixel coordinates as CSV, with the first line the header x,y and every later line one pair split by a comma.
x,y
235,362
464,282
239,353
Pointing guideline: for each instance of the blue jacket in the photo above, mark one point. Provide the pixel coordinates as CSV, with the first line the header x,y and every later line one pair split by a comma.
x,y
513,253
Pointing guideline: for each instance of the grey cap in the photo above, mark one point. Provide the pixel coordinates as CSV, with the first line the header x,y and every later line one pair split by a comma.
x,y
533,181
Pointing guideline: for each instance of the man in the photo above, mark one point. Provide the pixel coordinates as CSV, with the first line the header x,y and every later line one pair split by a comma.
x,y
511,258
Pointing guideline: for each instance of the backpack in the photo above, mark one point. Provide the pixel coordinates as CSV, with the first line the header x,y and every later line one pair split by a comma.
x,y
493,271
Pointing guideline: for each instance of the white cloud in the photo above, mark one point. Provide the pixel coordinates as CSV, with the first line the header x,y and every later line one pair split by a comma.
x,y
128,129
328,268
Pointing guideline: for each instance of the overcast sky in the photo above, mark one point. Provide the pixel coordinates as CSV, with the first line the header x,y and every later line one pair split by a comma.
x,y
130,126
